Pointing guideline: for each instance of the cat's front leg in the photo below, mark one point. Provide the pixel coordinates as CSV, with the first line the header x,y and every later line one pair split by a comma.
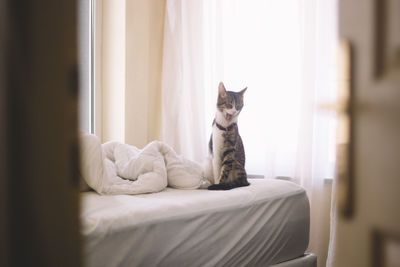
x,y
216,170
208,170
224,173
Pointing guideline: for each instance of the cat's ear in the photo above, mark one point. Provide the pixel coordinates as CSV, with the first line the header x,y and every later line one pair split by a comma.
x,y
221,90
244,90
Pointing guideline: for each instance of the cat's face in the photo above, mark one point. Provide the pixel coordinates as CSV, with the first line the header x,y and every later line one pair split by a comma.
x,y
229,103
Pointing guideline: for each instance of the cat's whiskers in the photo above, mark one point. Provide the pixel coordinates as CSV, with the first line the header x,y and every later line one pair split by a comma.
x,y
221,119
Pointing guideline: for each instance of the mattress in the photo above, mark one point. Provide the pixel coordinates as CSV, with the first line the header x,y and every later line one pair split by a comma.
x,y
262,224
307,260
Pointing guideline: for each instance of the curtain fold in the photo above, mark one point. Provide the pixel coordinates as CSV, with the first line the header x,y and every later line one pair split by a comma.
x,y
285,53
182,79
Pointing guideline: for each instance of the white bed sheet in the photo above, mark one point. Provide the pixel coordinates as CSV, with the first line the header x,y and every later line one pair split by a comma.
x,y
258,225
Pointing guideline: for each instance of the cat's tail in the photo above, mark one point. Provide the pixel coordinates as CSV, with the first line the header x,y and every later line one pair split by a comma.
x,y
227,186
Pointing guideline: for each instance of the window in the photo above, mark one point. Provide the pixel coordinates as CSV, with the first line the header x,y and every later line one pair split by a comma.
x,y
89,65
85,66
283,51
288,63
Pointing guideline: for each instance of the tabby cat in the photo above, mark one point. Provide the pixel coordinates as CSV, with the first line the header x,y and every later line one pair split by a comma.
x,y
225,146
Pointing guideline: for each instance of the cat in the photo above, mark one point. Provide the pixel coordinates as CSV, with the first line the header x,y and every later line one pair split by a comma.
x,y
225,146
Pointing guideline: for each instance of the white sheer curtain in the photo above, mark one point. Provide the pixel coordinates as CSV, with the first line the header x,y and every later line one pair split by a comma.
x,y
284,51
183,84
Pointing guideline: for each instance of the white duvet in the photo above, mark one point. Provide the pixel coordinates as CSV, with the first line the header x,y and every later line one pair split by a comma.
x,y
117,168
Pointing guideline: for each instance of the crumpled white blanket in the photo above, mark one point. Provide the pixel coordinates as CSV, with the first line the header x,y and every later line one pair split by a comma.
x,y
117,168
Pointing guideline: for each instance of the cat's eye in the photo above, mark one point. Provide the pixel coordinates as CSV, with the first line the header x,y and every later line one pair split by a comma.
x,y
228,106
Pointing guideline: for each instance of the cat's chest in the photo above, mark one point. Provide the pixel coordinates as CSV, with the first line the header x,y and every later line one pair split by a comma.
x,y
218,142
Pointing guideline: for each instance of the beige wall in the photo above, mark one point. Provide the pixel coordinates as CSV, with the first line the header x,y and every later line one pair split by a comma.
x,y
132,61
113,72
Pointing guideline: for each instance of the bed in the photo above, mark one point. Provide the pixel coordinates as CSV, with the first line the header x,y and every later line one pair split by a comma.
x,y
264,224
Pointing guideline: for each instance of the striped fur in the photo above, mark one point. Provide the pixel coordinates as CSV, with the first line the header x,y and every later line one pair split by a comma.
x,y
226,146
